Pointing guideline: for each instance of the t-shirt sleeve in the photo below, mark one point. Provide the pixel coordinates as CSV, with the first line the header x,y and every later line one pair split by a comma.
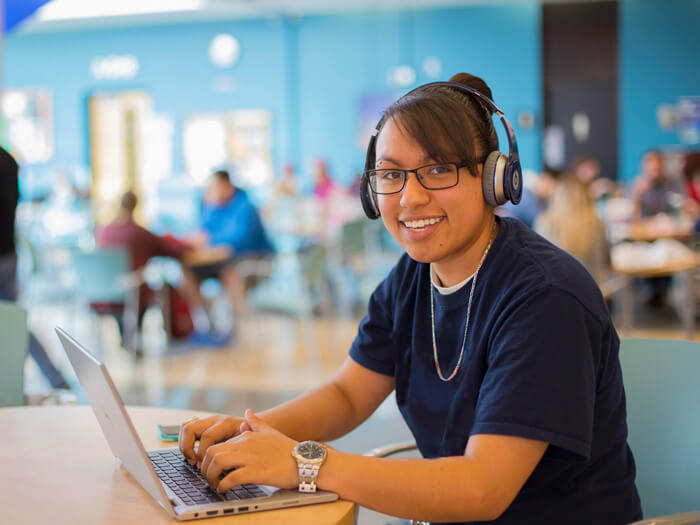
x,y
540,381
373,346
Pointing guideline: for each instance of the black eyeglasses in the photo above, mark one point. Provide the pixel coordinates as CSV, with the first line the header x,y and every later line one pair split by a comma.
x,y
431,177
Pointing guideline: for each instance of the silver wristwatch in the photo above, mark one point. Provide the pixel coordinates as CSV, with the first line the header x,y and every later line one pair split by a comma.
x,y
310,455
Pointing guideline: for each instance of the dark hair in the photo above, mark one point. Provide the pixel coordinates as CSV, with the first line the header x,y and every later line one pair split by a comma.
x,y
129,201
448,124
222,175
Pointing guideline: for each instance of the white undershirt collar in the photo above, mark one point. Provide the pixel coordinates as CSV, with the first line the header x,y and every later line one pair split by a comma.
x,y
446,290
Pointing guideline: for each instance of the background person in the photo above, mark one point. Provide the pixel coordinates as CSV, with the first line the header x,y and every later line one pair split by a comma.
x,y
323,183
572,223
228,219
9,196
691,172
653,190
511,383
586,168
655,193
141,245
536,194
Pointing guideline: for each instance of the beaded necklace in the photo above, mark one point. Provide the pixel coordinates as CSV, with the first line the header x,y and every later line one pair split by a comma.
x,y
466,324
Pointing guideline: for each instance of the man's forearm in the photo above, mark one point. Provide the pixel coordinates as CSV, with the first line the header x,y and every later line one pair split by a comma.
x,y
323,414
444,489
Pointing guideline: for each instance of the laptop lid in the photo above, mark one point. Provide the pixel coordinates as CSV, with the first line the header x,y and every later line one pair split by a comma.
x,y
112,416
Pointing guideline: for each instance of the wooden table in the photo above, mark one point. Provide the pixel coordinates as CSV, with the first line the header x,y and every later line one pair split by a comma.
x,y
684,267
649,230
58,468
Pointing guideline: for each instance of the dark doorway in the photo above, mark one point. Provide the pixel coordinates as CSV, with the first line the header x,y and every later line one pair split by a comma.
x,y
579,43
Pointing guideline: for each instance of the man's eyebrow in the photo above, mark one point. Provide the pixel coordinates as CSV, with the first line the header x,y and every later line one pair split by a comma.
x,y
425,160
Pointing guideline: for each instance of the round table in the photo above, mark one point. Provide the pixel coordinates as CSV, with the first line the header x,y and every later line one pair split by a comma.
x,y
58,468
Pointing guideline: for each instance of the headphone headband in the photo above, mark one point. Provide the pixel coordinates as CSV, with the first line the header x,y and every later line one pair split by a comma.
x,y
490,104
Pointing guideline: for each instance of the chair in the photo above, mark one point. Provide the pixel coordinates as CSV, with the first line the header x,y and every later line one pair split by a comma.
x,y
663,392
367,257
14,345
289,290
105,276
686,518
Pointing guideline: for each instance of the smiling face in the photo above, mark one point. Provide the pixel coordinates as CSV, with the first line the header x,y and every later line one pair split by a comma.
x,y
449,228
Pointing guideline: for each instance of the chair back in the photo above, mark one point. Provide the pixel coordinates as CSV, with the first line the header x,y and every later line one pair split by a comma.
x,y
663,415
352,238
102,275
14,344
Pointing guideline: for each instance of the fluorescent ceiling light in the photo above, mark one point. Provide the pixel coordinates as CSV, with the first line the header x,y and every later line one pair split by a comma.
x,y
74,9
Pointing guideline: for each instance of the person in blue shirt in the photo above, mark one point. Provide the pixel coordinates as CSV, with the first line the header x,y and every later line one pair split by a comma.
x,y
498,345
228,219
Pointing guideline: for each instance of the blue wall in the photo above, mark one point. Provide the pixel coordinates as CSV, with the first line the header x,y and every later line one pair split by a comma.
x,y
659,56
344,59
311,73
173,68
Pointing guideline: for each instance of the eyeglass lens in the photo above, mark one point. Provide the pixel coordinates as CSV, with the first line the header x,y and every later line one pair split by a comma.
x,y
432,177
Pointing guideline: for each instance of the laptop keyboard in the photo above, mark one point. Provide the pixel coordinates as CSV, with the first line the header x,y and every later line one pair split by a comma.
x,y
189,484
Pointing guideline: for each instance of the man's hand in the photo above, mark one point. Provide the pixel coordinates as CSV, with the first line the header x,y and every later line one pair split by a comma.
x,y
259,454
197,240
208,431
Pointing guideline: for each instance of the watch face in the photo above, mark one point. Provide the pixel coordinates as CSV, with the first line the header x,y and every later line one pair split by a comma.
x,y
311,450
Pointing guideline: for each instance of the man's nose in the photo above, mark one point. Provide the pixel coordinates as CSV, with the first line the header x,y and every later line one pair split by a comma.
x,y
413,193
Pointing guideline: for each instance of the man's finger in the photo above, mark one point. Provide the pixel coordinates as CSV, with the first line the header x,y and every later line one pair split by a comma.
x,y
221,460
214,434
254,422
208,456
189,433
233,479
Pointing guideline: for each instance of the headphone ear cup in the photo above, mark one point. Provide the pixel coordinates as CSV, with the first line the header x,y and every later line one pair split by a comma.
x,y
492,178
513,181
369,204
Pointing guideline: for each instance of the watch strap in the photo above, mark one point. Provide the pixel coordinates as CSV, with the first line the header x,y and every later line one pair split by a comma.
x,y
308,473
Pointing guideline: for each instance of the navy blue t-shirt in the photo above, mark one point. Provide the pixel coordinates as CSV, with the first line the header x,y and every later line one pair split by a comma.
x,y
540,362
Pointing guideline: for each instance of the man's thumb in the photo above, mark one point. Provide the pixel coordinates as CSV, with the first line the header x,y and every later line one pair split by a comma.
x,y
254,422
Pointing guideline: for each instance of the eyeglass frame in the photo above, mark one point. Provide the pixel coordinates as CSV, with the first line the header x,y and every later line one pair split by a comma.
x,y
458,165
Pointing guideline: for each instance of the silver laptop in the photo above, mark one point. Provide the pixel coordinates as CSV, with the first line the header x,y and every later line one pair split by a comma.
x,y
178,487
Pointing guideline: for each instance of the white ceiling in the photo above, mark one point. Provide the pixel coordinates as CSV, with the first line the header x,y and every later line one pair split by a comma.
x,y
77,14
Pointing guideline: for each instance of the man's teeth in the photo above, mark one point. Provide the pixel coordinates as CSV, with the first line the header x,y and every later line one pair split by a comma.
x,y
422,223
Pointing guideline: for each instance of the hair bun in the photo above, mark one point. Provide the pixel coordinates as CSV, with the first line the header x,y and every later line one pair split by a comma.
x,y
474,82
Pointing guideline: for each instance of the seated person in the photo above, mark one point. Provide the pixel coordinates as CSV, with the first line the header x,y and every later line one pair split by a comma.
x,y
653,189
125,233
691,171
229,219
536,193
498,346
586,168
571,222
653,194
